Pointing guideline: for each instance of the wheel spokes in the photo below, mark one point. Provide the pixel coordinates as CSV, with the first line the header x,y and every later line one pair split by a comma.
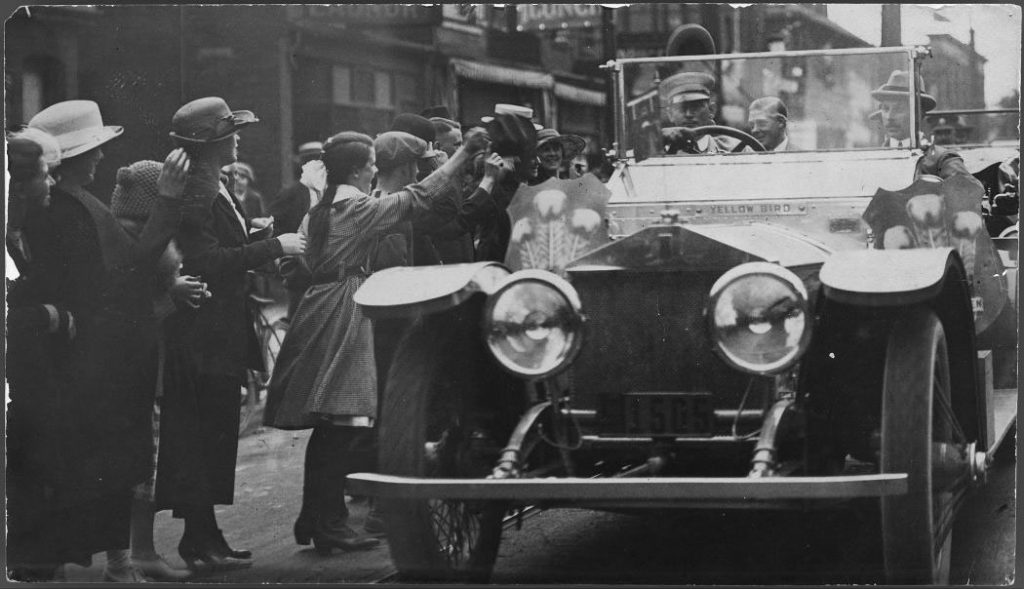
x,y
456,527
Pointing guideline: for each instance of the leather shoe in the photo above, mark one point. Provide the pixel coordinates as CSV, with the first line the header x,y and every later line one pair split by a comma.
x,y
206,556
243,554
342,537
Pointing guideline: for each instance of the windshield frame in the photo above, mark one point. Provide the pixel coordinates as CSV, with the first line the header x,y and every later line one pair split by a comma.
x,y
914,55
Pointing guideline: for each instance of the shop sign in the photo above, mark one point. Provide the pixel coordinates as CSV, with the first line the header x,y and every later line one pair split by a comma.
x,y
543,17
367,14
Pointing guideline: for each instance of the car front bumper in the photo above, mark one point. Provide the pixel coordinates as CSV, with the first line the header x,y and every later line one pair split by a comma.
x,y
638,490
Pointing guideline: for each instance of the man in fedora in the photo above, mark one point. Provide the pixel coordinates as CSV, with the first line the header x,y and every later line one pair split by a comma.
x,y
894,111
216,342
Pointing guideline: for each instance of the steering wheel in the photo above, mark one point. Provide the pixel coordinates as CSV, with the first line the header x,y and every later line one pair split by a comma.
x,y
681,138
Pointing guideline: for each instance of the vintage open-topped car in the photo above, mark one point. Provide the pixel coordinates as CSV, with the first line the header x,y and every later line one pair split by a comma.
x,y
808,329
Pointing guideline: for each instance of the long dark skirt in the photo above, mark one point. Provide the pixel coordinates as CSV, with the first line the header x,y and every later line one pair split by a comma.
x,y
198,436
41,533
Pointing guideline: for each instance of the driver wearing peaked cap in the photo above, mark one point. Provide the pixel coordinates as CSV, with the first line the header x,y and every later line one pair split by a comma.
x,y
688,102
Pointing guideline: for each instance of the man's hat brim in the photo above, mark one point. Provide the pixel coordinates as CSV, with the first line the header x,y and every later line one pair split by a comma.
x,y
927,101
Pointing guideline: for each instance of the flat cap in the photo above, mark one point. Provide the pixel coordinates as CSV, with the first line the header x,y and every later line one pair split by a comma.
x,y
394,148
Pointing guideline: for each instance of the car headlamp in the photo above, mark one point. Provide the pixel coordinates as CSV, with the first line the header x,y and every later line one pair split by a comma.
x,y
533,324
758,317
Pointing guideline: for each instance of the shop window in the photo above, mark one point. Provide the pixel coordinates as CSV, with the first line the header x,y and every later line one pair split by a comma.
x,y
41,82
341,82
382,88
407,96
363,87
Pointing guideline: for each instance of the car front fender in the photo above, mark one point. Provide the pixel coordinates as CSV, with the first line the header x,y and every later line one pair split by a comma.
x,y
884,278
411,291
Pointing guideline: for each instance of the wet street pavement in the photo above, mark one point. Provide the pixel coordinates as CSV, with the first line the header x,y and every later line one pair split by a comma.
x,y
565,546
268,492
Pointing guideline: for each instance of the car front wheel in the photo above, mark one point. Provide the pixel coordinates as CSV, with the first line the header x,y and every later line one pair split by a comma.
x,y
922,437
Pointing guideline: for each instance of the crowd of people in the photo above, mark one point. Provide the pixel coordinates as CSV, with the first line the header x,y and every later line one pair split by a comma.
x,y
130,333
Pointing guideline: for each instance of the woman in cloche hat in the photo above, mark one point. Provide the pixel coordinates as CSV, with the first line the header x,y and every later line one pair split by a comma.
x,y
553,150
98,438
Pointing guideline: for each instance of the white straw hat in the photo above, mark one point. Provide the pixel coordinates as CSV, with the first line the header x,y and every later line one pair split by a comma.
x,y
77,126
512,109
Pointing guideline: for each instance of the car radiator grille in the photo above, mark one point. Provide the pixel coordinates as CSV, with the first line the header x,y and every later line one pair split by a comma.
x,y
646,332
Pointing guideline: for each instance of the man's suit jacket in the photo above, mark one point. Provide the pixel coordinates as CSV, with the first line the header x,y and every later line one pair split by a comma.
x,y
220,334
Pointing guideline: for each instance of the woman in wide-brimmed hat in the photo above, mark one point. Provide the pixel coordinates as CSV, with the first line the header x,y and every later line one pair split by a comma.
x,y
210,348
95,443
553,150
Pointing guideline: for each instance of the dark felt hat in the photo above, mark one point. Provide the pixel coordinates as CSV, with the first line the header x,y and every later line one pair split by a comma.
x,y
440,111
415,125
205,120
897,87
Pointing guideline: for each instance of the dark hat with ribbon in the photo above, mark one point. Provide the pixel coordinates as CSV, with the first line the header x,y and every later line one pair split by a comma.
x,y
209,119
686,86
897,87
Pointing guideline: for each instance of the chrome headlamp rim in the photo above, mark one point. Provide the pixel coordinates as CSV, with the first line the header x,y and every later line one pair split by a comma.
x,y
565,290
777,272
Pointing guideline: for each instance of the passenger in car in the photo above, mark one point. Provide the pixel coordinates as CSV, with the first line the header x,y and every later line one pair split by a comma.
x,y
769,119
894,112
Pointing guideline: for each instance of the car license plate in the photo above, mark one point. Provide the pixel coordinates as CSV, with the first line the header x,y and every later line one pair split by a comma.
x,y
669,414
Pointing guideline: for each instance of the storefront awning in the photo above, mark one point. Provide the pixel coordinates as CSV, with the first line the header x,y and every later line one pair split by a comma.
x,y
498,74
581,95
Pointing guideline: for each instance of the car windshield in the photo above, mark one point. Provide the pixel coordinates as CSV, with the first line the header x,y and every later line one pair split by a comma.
x,y
822,101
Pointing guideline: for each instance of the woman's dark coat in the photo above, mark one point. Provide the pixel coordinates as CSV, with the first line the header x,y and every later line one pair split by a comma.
x,y
82,431
208,351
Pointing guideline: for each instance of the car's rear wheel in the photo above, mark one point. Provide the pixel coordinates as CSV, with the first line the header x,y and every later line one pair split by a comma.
x,y
427,430
922,437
